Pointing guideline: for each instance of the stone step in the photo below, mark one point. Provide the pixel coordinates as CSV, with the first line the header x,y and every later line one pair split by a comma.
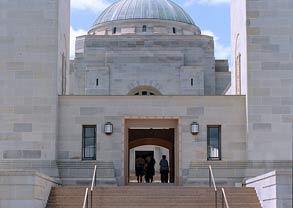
x,y
151,197
158,206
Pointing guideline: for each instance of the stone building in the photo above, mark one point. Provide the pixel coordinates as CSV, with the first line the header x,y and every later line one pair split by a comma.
x,y
143,76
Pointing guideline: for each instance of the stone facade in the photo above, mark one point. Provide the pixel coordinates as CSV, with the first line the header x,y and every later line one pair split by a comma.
x,y
227,111
174,65
45,101
262,35
33,37
266,38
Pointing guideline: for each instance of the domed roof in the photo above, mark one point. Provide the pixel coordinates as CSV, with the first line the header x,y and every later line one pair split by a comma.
x,y
144,9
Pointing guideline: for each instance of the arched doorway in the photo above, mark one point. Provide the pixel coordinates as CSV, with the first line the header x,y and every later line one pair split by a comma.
x,y
156,137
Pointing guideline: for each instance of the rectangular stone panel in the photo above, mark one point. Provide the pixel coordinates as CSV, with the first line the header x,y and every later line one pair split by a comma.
x,y
22,127
12,154
261,91
262,126
281,110
23,109
270,65
31,154
15,65
88,111
287,101
23,75
195,111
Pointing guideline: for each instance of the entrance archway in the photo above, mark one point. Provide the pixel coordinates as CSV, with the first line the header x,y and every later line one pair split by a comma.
x,y
150,124
156,137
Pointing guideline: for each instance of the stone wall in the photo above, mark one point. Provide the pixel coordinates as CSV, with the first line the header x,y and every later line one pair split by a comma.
x,y
227,111
270,79
268,68
238,44
274,189
30,39
22,188
167,63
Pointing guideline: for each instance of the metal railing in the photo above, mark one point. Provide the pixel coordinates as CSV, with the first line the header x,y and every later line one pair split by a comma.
x,y
212,180
93,184
85,200
224,199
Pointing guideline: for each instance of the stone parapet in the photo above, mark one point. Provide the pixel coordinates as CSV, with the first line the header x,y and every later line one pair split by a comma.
x,y
231,173
24,188
47,167
274,189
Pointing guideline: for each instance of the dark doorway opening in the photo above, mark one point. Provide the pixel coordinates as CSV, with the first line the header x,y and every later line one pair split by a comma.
x,y
159,139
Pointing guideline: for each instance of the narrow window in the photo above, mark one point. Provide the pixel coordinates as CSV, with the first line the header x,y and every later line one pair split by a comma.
x,y
114,30
63,74
174,30
97,82
238,75
191,82
214,142
89,142
144,28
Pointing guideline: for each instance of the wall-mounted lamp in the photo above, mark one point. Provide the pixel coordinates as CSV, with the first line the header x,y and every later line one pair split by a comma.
x,y
108,128
194,128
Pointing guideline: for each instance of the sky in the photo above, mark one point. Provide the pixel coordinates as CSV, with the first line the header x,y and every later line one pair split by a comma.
x,y
212,16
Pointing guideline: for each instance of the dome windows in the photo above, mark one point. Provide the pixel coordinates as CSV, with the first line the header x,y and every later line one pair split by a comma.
x,y
143,28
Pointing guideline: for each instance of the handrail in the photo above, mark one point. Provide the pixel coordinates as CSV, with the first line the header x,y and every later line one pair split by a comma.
x,y
211,178
85,202
224,199
94,178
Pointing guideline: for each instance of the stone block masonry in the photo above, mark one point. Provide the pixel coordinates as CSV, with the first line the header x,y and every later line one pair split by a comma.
x,y
33,36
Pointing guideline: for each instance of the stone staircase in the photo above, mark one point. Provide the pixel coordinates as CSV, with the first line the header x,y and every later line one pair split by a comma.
x,y
151,197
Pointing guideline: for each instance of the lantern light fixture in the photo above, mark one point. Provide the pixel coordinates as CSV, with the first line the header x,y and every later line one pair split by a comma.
x,y
108,128
194,128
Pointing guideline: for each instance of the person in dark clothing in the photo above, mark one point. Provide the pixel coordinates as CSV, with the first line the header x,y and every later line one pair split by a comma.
x,y
139,168
164,169
147,172
149,169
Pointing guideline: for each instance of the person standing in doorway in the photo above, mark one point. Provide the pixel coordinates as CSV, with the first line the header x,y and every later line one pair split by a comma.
x,y
152,169
139,168
164,169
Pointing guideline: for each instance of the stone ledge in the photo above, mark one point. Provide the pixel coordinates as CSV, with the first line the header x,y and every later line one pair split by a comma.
x,y
242,164
21,172
274,173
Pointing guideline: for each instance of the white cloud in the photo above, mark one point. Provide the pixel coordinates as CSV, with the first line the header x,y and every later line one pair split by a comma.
x,y
221,51
206,2
89,5
73,34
